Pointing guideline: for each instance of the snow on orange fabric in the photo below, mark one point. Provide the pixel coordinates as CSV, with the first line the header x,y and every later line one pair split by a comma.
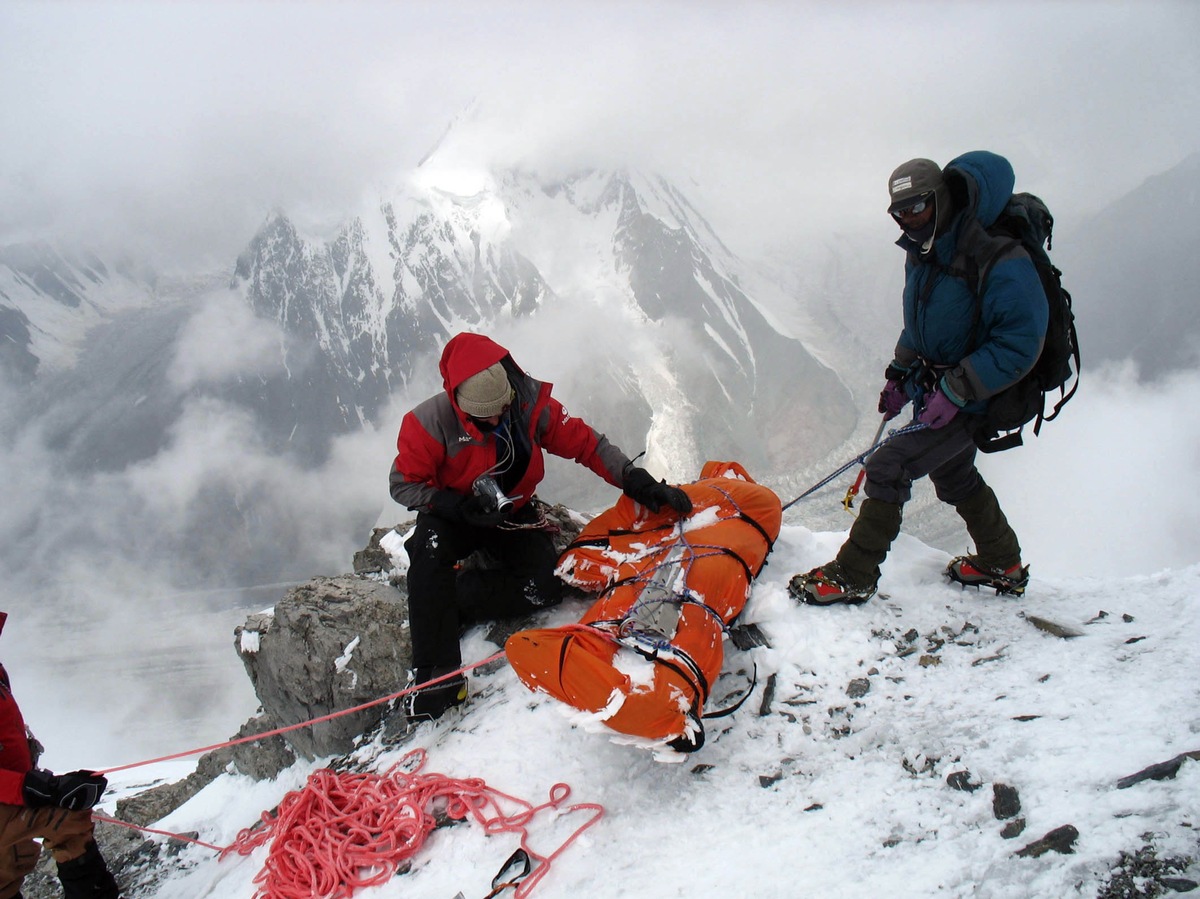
x,y
669,588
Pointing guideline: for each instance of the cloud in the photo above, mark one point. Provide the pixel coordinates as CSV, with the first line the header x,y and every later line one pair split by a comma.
x,y
225,339
179,126
123,588
1108,489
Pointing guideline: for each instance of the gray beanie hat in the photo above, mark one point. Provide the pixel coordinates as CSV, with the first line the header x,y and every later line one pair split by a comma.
x,y
913,180
485,394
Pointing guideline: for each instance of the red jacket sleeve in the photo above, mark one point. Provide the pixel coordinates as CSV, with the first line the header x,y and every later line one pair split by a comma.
x,y
573,438
14,746
414,478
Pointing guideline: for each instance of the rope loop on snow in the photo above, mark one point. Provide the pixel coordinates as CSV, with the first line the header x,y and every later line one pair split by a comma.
x,y
342,832
345,831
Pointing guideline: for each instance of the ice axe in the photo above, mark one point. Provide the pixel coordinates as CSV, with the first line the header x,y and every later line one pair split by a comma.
x,y
858,460
852,490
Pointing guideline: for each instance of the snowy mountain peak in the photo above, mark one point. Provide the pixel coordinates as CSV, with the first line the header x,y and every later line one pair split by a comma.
x,y
51,296
465,249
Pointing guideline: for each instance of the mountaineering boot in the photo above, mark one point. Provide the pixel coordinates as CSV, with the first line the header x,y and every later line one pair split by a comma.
x,y
430,703
996,561
88,877
853,577
827,586
970,571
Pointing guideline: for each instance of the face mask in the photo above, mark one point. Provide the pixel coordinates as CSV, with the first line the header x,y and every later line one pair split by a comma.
x,y
923,235
486,426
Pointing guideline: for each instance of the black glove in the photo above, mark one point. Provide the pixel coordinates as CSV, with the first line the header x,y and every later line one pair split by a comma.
x,y
481,512
474,510
641,487
446,503
76,791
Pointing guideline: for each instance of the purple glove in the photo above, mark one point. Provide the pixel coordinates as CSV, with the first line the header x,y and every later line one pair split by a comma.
x,y
892,398
939,410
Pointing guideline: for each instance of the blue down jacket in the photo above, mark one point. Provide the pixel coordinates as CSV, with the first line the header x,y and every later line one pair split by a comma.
x,y
971,361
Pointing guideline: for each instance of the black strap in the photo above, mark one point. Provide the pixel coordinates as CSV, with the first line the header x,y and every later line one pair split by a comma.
x,y
589,541
729,551
686,668
729,710
1074,337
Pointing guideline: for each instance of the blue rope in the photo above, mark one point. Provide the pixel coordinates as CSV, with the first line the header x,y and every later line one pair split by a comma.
x,y
858,460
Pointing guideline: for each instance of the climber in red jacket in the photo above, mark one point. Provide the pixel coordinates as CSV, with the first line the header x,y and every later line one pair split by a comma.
x,y
54,808
468,462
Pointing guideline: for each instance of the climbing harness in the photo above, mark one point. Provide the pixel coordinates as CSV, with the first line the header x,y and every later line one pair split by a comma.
x,y
857,460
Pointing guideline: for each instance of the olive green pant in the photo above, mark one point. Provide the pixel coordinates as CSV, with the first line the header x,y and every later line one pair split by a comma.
x,y
878,524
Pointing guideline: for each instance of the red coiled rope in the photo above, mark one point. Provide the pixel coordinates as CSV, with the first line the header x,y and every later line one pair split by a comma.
x,y
345,831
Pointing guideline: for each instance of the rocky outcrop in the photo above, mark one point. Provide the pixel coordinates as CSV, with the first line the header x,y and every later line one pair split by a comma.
x,y
336,643
261,759
331,644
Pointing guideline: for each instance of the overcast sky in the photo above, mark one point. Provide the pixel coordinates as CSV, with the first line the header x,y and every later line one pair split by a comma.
x,y
175,127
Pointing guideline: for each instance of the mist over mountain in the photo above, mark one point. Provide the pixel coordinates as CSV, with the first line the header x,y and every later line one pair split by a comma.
x,y
50,297
182,441
381,298
609,283
1133,270
242,387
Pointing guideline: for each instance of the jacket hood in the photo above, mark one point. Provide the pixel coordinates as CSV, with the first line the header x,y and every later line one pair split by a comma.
x,y
989,179
465,355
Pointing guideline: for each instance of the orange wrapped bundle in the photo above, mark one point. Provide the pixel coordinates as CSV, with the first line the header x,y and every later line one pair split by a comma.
x,y
644,656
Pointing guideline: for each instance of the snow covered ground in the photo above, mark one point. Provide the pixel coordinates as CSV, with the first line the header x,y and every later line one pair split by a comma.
x,y
839,784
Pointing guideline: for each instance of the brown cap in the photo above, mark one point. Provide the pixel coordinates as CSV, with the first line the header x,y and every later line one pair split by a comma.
x,y
912,181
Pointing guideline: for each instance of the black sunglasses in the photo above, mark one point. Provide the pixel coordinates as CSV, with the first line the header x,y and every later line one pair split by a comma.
x,y
915,209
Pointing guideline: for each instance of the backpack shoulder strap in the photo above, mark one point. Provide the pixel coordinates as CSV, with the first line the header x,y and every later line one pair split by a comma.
x,y
979,250
977,253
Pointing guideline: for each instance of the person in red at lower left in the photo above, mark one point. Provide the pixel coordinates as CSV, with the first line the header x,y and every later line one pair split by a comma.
x,y
54,808
491,420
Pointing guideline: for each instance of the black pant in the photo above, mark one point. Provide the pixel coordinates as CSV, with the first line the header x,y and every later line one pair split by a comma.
x,y
946,455
442,600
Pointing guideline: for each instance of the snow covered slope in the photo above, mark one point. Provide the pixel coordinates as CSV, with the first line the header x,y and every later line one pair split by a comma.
x,y
880,754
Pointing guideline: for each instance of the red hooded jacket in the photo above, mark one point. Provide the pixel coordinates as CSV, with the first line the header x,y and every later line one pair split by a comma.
x,y
440,448
15,760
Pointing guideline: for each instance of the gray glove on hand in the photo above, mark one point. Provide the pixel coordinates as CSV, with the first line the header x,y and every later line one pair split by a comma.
x,y
641,487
